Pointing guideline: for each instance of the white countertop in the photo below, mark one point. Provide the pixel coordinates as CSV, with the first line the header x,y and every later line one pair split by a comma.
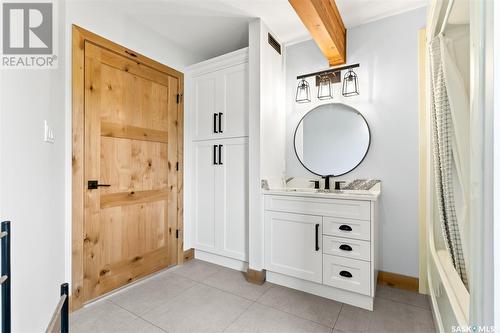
x,y
368,195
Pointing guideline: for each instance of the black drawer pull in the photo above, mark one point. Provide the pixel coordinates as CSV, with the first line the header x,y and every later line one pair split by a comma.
x,y
345,247
220,155
317,238
215,155
345,274
220,122
345,227
215,123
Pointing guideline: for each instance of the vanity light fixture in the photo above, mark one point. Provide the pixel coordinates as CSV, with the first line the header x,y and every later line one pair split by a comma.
x,y
303,92
350,84
324,88
325,80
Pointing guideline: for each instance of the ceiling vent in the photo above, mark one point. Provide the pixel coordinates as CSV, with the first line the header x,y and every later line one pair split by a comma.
x,y
274,43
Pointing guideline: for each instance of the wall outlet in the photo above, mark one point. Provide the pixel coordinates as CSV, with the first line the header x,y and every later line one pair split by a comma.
x,y
48,135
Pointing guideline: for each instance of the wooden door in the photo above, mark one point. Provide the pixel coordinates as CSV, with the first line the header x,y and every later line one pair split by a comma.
x,y
291,245
131,145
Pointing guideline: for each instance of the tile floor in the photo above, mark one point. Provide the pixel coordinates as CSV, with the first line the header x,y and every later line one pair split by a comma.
x,y
202,297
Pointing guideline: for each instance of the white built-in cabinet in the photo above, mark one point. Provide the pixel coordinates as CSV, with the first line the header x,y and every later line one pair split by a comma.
x,y
218,139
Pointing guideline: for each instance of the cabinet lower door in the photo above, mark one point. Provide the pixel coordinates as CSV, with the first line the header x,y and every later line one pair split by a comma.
x,y
204,195
232,199
293,245
220,197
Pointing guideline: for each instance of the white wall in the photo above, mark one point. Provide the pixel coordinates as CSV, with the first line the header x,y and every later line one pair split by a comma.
x,y
266,128
387,52
32,187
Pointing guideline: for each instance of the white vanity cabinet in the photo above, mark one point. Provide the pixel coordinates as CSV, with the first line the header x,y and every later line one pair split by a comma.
x,y
217,158
323,243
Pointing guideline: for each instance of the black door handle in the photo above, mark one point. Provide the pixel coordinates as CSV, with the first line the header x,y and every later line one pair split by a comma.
x,y
94,184
345,247
215,123
345,274
220,155
220,122
345,227
215,155
317,237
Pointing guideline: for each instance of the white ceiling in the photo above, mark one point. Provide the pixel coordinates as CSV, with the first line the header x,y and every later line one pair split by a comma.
x,y
212,27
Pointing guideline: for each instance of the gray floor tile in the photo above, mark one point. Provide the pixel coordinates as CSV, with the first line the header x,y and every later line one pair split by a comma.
x,y
152,293
199,309
105,316
403,296
260,319
318,309
234,282
387,316
197,270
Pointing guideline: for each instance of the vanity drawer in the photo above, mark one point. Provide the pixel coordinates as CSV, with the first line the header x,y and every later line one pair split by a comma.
x,y
345,247
355,229
348,274
351,209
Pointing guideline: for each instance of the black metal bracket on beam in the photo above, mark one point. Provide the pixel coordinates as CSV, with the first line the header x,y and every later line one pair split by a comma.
x,y
328,71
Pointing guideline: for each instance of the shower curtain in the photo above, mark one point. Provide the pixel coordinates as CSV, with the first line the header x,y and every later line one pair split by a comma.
x,y
450,134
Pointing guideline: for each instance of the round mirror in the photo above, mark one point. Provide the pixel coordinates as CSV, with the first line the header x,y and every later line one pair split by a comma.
x,y
332,139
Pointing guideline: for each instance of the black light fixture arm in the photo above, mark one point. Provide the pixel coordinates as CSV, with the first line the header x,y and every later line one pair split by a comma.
x,y
331,70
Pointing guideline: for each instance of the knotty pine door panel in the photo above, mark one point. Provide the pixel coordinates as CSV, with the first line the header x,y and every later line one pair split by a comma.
x,y
130,145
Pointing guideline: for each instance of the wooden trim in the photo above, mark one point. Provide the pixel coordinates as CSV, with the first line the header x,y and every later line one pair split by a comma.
x,y
323,20
132,132
180,174
398,281
79,37
255,277
188,255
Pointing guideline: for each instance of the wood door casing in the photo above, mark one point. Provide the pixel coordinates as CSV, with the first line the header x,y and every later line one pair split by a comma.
x,y
132,140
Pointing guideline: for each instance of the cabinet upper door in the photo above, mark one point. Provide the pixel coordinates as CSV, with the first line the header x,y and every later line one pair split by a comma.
x,y
220,104
204,106
203,195
293,245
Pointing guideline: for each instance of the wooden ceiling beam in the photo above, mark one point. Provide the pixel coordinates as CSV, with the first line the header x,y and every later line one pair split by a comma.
x,y
323,20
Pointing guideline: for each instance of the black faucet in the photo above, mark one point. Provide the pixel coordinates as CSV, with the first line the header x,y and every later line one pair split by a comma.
x,y
327,182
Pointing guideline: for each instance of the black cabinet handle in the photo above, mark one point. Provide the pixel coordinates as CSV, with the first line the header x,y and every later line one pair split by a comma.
x,y
94,184
345,227
317,237
215,155
345,274
220,122
345,247
220,155
215,123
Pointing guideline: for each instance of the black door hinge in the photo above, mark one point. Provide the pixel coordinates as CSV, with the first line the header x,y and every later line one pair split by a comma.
x,y
177,166
177,233
179,96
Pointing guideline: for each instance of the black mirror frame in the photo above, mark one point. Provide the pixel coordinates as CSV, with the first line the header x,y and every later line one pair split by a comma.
x,y
333,175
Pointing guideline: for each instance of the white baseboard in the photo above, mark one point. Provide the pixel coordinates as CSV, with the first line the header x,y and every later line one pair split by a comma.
x,y
221,260
344,296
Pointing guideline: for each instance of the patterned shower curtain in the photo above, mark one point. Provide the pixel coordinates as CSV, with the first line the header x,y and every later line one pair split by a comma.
x,y
444,142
